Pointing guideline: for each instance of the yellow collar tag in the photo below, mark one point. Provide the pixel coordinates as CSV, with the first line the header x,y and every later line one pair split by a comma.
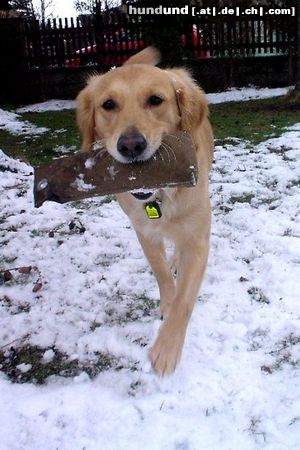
x,y
152,210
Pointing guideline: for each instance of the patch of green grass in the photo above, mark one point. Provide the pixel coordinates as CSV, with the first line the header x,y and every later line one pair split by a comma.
x,y
294,183
284,354
139,307
254,120
27,364
257,295
56,120
40,149
95,203
243,198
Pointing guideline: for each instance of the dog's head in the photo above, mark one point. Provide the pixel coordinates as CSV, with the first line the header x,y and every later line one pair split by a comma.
x,y
130,108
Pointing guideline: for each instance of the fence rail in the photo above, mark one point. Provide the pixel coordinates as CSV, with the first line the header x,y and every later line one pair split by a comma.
x,y
110,40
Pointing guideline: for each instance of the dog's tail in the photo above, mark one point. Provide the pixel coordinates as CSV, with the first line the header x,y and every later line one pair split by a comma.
x,y
150,55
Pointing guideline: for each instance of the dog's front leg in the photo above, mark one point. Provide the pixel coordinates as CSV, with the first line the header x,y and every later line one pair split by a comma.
x,y
166,351
156,255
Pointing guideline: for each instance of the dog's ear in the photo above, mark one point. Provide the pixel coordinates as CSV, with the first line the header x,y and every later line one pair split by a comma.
x,y
150,55
191,101
85,115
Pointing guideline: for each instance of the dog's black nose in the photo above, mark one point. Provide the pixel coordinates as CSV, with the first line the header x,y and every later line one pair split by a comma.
x,y
131,144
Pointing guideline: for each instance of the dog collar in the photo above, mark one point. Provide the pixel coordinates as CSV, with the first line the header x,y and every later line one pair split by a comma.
x,y
153,210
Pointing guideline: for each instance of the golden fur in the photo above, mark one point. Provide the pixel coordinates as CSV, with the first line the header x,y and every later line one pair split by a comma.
x,y
186,213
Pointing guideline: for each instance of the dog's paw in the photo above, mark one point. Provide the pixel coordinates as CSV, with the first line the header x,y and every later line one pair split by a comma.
x,y
166,351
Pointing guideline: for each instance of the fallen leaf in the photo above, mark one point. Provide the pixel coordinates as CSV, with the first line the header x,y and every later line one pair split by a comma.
x,y
243,279
7,275
25,269
38,285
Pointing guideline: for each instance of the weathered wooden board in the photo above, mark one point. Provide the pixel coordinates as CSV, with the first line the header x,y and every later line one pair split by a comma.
x,y
86,175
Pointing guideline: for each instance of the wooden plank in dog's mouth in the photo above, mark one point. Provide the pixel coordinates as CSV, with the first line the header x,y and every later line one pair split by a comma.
x,y
96,173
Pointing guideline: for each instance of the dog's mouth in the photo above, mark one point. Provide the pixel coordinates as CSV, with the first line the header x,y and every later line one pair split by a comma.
x,y
142,194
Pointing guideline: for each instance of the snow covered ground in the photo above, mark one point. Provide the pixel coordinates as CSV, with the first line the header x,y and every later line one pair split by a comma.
x,y
231,95
243,94
10,121
238,385
50,105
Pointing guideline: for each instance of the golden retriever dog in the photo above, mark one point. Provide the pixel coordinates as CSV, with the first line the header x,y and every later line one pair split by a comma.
x,y
128,110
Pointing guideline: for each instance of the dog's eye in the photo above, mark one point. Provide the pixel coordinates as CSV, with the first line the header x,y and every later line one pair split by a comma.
x,y
109,104
154,100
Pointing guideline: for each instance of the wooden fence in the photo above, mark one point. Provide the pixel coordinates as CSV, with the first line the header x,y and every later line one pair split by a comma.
x,y
53,59
110,40
80,42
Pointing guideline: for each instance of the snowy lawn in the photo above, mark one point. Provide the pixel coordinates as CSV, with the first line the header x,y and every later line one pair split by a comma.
x,y
231,95
86,329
